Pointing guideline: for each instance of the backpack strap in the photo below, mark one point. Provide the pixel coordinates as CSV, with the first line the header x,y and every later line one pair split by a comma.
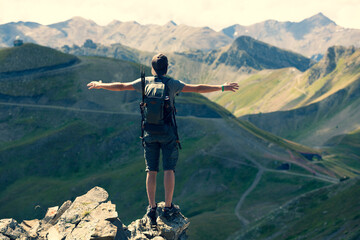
x,y
142,105
175,126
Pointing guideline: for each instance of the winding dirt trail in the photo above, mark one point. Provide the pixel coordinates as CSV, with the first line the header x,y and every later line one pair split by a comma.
x,y
236,140
62,108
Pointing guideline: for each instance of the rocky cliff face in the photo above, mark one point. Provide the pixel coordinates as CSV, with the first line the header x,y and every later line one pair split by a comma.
x,y
259,55
92,216
329,62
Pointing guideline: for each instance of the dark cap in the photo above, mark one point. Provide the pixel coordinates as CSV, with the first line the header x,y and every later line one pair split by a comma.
x,y
159,64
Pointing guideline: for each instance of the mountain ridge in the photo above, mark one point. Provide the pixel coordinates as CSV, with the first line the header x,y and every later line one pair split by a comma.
x,y
303,37
261,56
310,36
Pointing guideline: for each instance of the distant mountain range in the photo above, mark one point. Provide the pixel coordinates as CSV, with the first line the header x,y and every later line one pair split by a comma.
x,y
244,53
169,37
247,52
309,37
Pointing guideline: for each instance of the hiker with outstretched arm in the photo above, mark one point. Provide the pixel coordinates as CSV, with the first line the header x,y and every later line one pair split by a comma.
x,y
160,132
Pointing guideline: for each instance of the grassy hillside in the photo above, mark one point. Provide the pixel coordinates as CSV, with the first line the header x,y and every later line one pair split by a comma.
x,y
343,154
327,213
286,89
318,122
64,153
308,108
32,56
58,139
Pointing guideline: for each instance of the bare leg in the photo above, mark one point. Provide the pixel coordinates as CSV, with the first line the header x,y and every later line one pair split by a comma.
x,y
169,185
151,187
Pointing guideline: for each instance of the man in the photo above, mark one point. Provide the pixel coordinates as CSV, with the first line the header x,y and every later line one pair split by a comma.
x,y
167,142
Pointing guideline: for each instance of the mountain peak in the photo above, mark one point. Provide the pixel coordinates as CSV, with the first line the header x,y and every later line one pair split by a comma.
x,y
77,18
319,19
247,51
81,20
114,22
73,21
28,24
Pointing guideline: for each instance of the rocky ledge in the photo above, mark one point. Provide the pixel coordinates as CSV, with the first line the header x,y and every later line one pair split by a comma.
x,y
92,216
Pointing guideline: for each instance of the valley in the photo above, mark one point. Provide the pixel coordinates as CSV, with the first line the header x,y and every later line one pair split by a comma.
x,y
58,139
287,140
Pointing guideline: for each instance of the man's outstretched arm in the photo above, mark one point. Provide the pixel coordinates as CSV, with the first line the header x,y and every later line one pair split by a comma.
x,y
206,88
116,86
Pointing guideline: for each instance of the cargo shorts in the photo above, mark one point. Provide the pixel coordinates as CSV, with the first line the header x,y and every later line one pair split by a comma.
x,y
168,146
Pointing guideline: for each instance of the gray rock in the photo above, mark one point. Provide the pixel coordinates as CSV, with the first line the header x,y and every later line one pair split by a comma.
x,y
31,227
95,224
61,210
84,204
81,208
104,230
141,228
53,234
50,214
120,233
91,217
11,229
2,237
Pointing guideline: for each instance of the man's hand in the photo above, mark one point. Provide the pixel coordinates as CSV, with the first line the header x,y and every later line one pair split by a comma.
x,y
95,85
231,87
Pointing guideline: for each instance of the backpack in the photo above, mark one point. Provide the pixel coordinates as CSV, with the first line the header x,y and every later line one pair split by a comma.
x,y
157,113
157,110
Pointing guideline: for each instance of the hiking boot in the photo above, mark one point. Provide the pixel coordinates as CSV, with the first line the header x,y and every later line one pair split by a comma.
x,y
169,213
151,214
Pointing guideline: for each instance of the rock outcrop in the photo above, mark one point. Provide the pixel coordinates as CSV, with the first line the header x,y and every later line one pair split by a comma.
x,y
92,217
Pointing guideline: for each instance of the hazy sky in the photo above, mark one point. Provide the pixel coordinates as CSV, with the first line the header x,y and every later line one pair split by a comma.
x,y
216,14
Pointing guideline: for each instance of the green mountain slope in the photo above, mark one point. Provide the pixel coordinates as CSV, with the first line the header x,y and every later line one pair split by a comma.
x,y
316,123
58,139
286,89
334,107
32,57
327,213
343,154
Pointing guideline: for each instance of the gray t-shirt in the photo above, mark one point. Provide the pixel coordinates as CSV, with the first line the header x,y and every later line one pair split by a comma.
x,y
174,86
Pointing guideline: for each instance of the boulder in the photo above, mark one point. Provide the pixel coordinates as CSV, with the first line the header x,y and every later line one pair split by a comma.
x,y
65,206
31,227
10,229
92,217
174,230
96,224
3,237
50,214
